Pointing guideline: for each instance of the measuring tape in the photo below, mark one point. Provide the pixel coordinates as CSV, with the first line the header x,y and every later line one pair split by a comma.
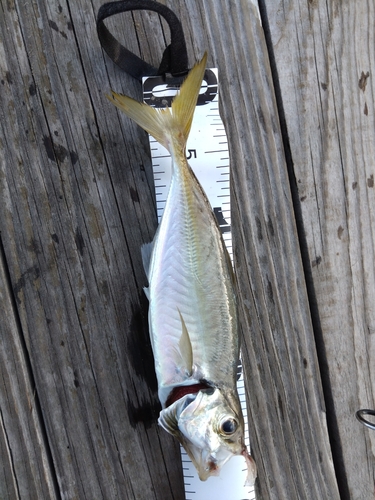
x,y
208,155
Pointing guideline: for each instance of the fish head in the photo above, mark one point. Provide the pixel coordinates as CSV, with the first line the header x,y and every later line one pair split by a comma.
x,y
210,427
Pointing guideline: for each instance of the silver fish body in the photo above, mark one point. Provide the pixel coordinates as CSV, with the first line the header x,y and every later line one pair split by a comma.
x,y
192,300
193,312
191,288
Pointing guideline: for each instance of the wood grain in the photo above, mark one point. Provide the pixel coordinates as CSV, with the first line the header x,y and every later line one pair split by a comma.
x,y
26,470
73,216
324,59
287,411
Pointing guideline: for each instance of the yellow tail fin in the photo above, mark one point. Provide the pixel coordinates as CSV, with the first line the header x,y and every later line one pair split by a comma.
x,y
166,124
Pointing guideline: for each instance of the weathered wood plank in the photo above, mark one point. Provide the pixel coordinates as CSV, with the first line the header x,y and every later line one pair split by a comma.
x,y
24,453
288,415
76,204
324,56
73,215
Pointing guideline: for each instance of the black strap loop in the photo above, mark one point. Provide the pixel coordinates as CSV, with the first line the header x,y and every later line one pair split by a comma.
x,y
174,60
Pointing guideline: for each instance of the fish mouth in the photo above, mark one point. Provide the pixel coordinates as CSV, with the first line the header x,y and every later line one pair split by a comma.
x,y
211,469
204,462
208,462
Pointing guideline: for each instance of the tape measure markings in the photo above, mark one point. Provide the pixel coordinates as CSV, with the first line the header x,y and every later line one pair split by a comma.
x,y
208,156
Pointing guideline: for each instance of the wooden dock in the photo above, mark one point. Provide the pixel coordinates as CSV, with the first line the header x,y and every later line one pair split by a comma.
x,y
78,401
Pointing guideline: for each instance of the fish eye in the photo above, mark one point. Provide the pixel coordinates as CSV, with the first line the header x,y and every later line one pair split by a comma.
x,y
228,426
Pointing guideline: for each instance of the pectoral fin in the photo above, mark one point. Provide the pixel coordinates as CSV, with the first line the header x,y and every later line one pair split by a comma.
x,y
169,421
168,418
185,347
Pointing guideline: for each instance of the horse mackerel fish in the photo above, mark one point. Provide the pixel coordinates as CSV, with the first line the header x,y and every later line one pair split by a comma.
x,y
192,300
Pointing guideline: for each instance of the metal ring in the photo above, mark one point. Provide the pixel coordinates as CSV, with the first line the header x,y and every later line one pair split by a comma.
x,y
359,414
